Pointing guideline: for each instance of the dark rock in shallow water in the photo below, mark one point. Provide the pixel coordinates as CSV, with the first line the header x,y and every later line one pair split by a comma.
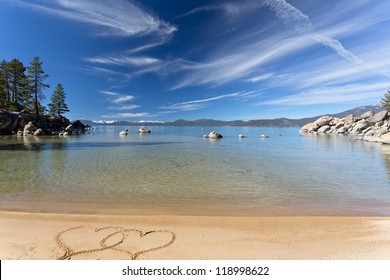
x,y
11,122
8,122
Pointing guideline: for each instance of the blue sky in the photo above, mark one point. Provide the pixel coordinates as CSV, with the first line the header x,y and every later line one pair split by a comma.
x,y
165,60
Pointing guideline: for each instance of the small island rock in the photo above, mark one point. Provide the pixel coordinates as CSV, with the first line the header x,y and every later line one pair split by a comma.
x,y
215,135
144,130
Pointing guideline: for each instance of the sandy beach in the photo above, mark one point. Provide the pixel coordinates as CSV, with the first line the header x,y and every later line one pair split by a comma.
x,y
69,236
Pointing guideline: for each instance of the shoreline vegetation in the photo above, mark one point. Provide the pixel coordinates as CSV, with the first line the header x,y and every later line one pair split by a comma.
x,y
21,109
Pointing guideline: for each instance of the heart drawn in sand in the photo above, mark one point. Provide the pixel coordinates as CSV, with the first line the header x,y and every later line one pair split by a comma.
x,y
117,236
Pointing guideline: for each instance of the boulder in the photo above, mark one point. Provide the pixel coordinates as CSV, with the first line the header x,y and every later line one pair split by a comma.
x,y
77,125
310,127
334,121
264,136
123,132
39,132
379,132
342,130
338,125
325,120
241,136
8,122
29,129
144,130
349,119
367,114
378,117
70,128
360,126
215,135
385,136
324,129
19,133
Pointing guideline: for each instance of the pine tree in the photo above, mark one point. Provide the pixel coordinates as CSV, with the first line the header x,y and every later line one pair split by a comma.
x,y
385,102
37,77
4,84
58,106
16,83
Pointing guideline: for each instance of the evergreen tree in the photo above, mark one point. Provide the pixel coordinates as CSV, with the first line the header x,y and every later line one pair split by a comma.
x,y
17,78
37,78
385,102
4,84
58,106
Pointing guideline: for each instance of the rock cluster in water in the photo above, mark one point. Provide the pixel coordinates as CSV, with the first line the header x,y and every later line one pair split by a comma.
x,y
23,124
368,127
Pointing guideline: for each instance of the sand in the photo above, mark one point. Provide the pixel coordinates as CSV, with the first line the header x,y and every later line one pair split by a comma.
x,y
54,236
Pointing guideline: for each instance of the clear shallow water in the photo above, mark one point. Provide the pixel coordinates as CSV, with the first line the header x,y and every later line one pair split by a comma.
x,y
173,170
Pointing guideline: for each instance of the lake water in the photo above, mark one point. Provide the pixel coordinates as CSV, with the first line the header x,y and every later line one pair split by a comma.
x,y
174,171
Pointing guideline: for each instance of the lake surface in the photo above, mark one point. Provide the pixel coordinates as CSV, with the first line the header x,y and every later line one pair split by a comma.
x,y
174,171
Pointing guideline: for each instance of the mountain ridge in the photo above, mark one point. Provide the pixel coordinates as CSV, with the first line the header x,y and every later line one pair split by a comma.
x,y
278,122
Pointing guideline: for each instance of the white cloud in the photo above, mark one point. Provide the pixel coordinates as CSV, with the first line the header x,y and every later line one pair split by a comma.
x,y
127,115
123,60
203,103
294,18
124,107
118,18
117,98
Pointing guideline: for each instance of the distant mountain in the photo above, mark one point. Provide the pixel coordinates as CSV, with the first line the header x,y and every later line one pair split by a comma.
x,y
280,122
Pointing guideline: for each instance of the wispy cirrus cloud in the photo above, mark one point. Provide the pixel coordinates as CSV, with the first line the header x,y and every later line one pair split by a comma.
x,y
127,115
123,60
117,98
229,8
124,107
203,103
244,56
116,18
295,19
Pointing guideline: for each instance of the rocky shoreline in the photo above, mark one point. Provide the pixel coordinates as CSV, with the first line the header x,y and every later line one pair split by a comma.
x,y
24,124
367,127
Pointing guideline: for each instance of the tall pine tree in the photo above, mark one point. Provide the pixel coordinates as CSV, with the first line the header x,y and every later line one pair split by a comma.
x,y
5,94
37,79
58,106
16,84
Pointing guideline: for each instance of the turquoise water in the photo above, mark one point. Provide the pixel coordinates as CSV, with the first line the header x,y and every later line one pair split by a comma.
x,y
174,171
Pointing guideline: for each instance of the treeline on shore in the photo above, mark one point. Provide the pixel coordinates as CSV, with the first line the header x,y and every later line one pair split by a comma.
x,y
22,89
